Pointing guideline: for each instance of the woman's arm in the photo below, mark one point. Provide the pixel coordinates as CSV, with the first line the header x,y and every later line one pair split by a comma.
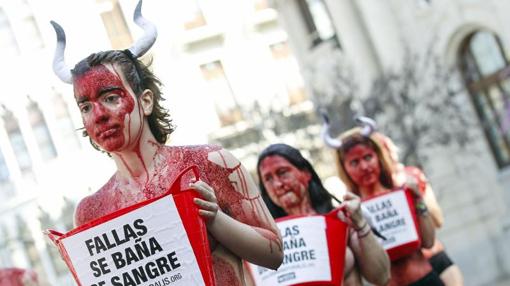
x,y
435,210
425,222
250,232
371,259
427,228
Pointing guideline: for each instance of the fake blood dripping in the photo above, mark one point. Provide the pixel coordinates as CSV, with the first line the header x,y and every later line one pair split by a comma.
x,y
104,122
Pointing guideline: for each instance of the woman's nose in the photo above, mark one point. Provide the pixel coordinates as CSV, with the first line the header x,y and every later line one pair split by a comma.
x,y
100,114
363,165
277,184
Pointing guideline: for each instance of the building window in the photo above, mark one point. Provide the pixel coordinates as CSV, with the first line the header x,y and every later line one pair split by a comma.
x,y
27,241
486,73
8,44
41,132
47,222
115,24
193,16
4,171
29,28
32,33
288,70
64,123
318,21
6,185
17,142
224,100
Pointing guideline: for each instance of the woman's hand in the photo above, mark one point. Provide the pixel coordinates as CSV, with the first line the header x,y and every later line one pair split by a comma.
x,y
208,203
351,211
412,184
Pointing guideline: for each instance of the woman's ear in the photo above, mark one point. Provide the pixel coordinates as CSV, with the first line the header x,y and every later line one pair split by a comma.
x,y
147,102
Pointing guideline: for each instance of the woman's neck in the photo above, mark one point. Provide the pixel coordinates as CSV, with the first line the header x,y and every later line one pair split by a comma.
x,y
372,190
304,208
136,162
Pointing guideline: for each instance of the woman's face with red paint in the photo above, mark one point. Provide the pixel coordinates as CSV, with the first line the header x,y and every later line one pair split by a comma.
x,y
362,165
109,108
286,185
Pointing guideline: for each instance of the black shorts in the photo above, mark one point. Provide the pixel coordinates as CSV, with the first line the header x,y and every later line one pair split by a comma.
x,y
431,279
440,261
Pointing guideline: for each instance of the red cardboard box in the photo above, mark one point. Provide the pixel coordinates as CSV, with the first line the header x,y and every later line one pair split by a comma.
x,y
314,252
161,240
393,215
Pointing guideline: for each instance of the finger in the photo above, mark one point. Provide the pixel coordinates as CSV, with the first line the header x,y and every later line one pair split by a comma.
x,y
205,205
204,190
347,195
206,214
341,216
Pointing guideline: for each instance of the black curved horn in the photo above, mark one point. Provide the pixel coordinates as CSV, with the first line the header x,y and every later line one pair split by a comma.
x,y
142,45
59,66
326,137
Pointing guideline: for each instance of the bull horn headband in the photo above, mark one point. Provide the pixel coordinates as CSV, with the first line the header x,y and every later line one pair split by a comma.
x,y
368,125
326,137
139,48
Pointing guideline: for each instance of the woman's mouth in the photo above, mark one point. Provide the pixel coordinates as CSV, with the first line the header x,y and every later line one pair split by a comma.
x,y
108,132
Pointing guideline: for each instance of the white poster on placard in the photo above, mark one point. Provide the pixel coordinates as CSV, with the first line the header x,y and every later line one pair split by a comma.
x,y
306,256
391,216
147,246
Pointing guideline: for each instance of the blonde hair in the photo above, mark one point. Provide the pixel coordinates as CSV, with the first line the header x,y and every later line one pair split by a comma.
x,y
353,137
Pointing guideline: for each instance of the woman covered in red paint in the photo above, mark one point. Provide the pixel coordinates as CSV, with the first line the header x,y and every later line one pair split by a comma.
x,y
119,100
367,172
438,258
290,186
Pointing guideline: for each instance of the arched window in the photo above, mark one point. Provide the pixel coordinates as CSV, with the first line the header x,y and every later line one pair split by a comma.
x,y
219,87
318,21
114,23
41,132
17,141
486,72
8,43
64,123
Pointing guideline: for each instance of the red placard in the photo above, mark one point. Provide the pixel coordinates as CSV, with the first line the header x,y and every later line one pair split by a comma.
x,y
393,215
192,223
314,252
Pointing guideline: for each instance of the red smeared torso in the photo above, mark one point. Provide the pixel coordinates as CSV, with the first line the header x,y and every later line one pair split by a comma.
x,y
233,198
17,277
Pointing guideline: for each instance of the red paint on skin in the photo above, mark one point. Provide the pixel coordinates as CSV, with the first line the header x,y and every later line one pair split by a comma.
x,y
104,123
225,273
281,178
107,123
362,165
168,163
255,204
